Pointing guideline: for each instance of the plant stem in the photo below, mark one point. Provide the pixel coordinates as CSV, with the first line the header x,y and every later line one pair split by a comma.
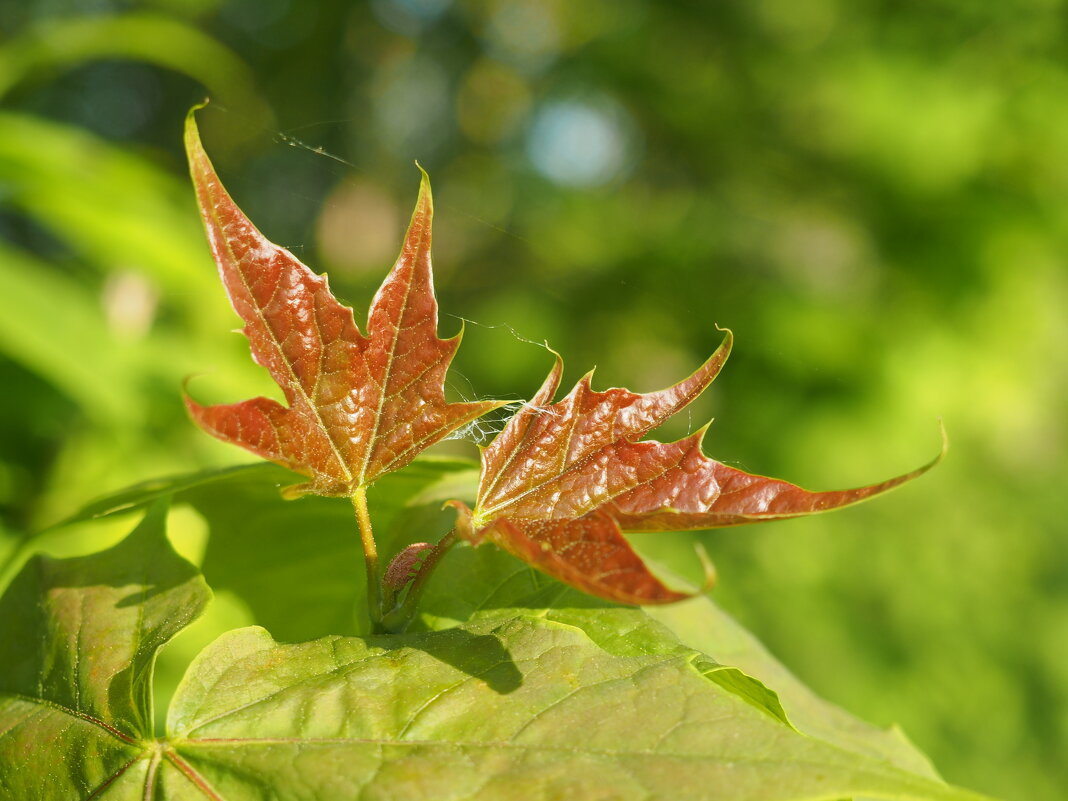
x,y
396,620
370,558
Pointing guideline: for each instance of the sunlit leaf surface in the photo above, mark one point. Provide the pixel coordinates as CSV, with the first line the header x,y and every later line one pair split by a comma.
x,y
77,647
516,703
359,406
564,480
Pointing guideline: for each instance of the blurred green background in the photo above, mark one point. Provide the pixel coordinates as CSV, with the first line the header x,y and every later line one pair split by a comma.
x,y
873,196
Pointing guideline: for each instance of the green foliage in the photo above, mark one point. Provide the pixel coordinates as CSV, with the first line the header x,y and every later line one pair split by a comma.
x,y
496,705
79,643
872,196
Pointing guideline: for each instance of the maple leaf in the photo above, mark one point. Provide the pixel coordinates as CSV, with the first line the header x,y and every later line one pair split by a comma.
x,y
358,406
563,481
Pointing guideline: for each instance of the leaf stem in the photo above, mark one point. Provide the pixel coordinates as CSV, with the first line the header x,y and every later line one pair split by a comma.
x,y
370,558
397,619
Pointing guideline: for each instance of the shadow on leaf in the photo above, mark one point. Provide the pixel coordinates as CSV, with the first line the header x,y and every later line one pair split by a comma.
x,y
481,656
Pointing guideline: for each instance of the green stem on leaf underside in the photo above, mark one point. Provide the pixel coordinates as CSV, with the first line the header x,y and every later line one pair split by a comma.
x,y
396,620
370,558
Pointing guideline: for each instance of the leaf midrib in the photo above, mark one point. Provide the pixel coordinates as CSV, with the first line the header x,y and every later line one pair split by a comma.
x,y
682,403
578,465
871,767
74,713
389,362
294,379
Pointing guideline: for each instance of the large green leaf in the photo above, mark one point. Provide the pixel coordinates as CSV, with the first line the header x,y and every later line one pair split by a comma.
x,y
701,624
490,582
77,648
516,687
297,565
507,706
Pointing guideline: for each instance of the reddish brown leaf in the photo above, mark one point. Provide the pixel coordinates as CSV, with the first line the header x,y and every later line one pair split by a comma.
x,y
564,480
358,406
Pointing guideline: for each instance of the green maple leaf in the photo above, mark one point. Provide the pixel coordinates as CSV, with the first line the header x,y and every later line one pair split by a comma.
x,y
520,701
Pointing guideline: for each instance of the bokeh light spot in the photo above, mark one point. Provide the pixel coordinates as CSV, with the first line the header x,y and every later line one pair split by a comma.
x,y
359,228
492,102
413,107
408,17
579,143
524,34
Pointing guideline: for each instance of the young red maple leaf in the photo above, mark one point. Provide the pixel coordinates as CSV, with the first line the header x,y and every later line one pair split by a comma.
x,y
358,406
563,481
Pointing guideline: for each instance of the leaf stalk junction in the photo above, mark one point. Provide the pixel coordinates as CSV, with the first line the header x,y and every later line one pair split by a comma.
x,y
391,603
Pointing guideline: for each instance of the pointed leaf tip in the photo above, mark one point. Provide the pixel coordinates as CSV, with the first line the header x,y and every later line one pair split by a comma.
x,y
425,198
564,481
945,440
191,132
356,406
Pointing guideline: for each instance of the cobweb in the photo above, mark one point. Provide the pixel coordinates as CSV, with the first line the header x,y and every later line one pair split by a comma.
x,y
482,430
485,428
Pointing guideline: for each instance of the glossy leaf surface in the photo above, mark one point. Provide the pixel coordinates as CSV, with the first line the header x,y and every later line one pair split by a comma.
x,y
492,700
499,707
564,480
476,582
77,648
359,406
